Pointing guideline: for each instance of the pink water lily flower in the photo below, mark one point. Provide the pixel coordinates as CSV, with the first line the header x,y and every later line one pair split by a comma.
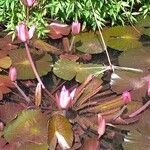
x,y
126,97
28,3
101,125
23,33
76,27
65,99
149,88
13,74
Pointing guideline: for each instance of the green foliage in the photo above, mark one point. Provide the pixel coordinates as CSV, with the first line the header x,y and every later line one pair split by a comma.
x,y
114,12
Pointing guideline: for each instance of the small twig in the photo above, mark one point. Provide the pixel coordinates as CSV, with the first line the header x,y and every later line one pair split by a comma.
x,y
22,92
33,65
140,109
102,39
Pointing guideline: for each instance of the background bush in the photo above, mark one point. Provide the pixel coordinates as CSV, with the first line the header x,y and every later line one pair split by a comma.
x,y
107,12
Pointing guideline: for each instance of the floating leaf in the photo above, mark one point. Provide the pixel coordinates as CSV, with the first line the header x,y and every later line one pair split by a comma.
x,y
8,111
143,22
147,31
41,45
67,70
22,64
137,58
30,125
5,85
122,38
5,62
88,43
59,129
91,144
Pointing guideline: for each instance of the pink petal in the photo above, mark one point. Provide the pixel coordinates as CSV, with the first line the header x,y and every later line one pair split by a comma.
x,y
13,73
101,125
75,27
29,3
126,97
72,94
31,31
149,88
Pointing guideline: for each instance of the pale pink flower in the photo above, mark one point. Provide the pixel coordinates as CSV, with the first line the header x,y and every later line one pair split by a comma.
x,y
149,88
65,98
126,97
75,27
101,125
28,3
13,73
23,33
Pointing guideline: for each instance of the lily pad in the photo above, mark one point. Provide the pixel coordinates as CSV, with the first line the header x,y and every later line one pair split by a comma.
x,y
137,58
88,42
30,125
67,69
59,129
5,62
24,71
122,38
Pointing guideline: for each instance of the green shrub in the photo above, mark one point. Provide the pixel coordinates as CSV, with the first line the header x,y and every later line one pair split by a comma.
x,y
107,11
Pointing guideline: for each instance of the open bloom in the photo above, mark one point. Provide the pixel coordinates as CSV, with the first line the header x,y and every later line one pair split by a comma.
x,y
65,99
149,88
28,3
23,33
126,97
13,73
75,27
101,125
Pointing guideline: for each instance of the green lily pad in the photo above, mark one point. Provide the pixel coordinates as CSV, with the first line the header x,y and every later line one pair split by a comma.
x,y
59,129
88,42
29,126
67,70
122,38
24,71
143,22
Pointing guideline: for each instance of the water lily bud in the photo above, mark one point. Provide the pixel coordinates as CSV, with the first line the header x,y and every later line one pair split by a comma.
x,y
126,97
149,88
65,99
1,126
23,33
101,125
75,27
13,73
28,3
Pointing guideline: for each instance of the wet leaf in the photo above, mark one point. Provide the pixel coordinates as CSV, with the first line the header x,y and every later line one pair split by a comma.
x,y
30,125
22,64
140,58
5,62
41,45
91,144
67,70
88,42
5,85
122,38
59,129
8,111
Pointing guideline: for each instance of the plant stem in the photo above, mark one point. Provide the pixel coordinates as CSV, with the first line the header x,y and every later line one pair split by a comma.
x,y
72,42
102,39
27,13
33,65
140,109
22,92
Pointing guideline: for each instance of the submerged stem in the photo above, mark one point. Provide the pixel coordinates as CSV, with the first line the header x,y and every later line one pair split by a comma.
x,y
22,92
33,65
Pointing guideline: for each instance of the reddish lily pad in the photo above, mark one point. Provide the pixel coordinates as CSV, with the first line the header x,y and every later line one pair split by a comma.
x,y
122,38
59,129
22,64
